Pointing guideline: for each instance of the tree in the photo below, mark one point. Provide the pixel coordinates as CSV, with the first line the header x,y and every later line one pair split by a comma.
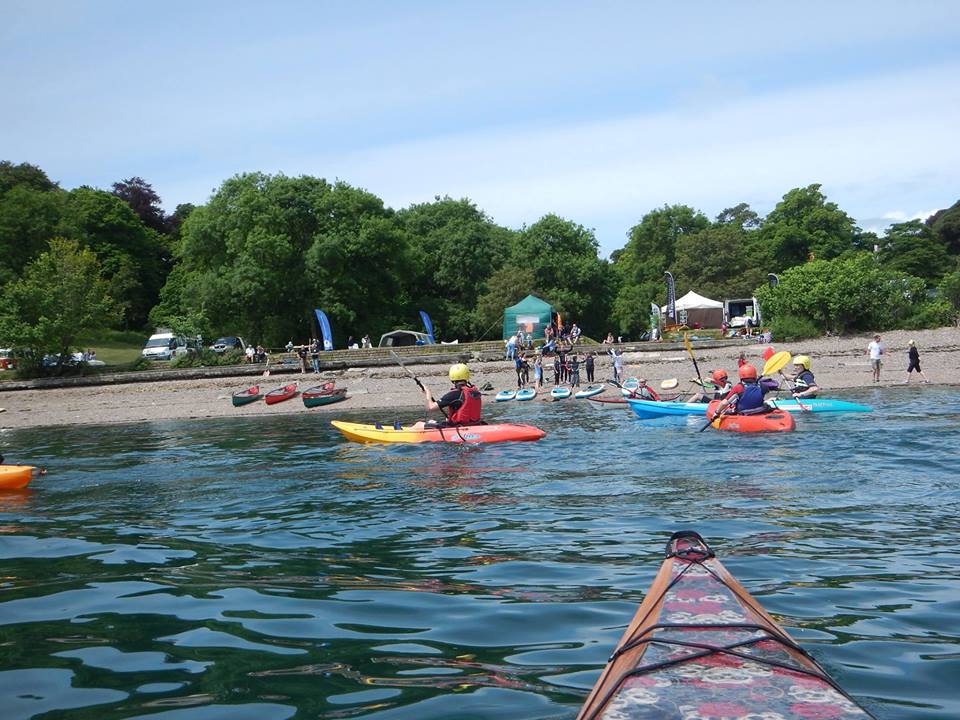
x,y
23,175
946,227
849,293
722,261
28,219
740,216
913,249
805,226
61,296
505,287
140,196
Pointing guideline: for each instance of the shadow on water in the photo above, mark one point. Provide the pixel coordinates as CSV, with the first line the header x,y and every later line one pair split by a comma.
x,y
265,568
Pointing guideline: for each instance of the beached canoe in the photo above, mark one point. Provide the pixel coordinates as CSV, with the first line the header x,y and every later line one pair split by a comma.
x,y
560,393
325,394
700,646
589,392
17,477
245,397
648,409
501,432
773,421
505,395
280,394
526,394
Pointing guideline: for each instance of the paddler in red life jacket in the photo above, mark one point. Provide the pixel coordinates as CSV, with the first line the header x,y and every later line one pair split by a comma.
x,y
461,404
643,392
747,394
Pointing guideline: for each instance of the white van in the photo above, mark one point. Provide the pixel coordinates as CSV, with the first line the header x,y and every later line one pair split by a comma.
x,y
166,346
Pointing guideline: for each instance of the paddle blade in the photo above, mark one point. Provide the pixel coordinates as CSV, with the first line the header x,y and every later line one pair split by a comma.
x,y
768,353
776,363
669,384
687,345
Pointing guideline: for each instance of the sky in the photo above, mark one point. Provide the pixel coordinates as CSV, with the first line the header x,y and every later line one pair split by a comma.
x,y
598,112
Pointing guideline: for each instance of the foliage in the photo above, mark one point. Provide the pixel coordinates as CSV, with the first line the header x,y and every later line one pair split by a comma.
x,y
789,328
850,293
507,286
721,261
143,200
208,358
805,226
913,249
23,175
930,314
945,225
949,291
60,297
28,219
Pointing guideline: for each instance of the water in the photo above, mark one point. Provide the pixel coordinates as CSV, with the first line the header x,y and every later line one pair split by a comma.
x,y
266,569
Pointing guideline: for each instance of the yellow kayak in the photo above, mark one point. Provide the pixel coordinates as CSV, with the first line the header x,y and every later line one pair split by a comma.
x,y
502,432
17,477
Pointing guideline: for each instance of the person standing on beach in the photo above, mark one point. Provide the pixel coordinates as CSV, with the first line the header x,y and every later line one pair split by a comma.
x,y
914,362
538,371
556,369
875,350
588,366
617,364
574,370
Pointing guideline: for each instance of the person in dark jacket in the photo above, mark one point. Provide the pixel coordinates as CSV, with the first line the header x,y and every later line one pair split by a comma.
x,y
913,355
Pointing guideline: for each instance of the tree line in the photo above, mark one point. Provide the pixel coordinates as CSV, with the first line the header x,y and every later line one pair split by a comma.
x,y
266,249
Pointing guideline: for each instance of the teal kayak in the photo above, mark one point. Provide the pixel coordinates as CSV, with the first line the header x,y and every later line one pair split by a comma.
x,y
648,409
560,393
505,395
526,394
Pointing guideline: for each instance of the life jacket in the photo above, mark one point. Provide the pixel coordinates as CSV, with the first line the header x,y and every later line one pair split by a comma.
x,y
646,393
469,410
804,380
751,398
721,392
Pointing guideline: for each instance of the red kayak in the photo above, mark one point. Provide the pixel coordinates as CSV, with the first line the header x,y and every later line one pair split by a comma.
x,y
770,421
700,647
280,394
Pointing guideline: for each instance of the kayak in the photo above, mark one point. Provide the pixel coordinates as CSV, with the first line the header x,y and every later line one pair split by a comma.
x,y
322,395
17,477
501,432
280,394
526,394
245,397
589,392
560,393
772,421
647,409
505,395
614,402
700,646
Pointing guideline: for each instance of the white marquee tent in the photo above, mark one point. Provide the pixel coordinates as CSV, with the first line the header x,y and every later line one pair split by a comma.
x,y
700,310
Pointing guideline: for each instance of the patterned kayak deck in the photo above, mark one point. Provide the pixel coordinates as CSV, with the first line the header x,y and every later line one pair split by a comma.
x,y
701,648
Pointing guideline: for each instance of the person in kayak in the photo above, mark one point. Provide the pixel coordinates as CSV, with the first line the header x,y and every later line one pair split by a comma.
x,y
722,388
804,386
747,395
461,404
643,392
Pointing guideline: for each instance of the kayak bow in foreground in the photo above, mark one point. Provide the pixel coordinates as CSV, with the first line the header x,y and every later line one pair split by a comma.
x,y
502,432
701,647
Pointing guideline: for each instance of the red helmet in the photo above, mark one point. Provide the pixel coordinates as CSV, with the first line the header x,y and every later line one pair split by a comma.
x,y
719,376
748,372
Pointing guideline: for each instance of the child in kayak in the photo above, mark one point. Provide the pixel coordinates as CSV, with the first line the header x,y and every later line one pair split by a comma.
x,y
722,388
804,386
461,404
747,395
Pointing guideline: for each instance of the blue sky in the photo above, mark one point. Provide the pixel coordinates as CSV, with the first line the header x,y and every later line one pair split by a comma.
x,y
597,111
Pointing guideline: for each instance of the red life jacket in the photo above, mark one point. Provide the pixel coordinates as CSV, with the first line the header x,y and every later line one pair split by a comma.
x,y
469,410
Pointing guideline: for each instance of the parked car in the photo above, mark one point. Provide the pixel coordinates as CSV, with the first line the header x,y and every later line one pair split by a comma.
x,y
229,342
166,346
7,359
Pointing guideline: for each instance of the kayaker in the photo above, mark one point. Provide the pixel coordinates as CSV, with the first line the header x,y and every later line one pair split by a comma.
x,y
643,392
804,386
746,395
722,388
462,403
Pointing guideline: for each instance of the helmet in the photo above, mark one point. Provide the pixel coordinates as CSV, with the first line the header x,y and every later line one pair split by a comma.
x,y
802,360
719,376
459,372
748,372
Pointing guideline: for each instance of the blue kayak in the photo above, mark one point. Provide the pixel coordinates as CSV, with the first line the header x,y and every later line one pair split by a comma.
x,y
560,393
505,395
647,409
526,394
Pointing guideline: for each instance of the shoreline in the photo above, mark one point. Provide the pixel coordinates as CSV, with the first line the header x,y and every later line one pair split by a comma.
x,y
839,363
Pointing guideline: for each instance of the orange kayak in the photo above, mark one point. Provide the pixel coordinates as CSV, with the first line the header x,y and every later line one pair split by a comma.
x,y
701,647
17,477
773,421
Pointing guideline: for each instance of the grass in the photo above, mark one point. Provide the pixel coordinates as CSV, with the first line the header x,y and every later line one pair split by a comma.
x,y
115,347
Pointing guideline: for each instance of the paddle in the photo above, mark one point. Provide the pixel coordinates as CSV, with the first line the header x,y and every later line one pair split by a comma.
x,y
689,347
775,363
420,385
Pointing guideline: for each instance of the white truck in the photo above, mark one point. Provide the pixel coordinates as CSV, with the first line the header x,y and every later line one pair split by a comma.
x,y
166,345
736,313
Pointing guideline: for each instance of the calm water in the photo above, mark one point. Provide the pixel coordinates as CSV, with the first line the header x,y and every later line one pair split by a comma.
x,y
265,569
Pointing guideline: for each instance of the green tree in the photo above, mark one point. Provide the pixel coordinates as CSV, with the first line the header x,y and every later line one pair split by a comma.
x,y
505,287
946,227
804,225
28,219
740,216
23,175
455,249
61,296
843,294
722,261
913,249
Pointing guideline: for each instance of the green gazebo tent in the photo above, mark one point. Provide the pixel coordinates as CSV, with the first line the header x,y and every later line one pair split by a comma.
x,y
531,314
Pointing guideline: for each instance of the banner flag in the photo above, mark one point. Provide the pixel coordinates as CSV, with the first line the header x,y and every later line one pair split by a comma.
x,y
654,315
671,296
324,324
427,325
